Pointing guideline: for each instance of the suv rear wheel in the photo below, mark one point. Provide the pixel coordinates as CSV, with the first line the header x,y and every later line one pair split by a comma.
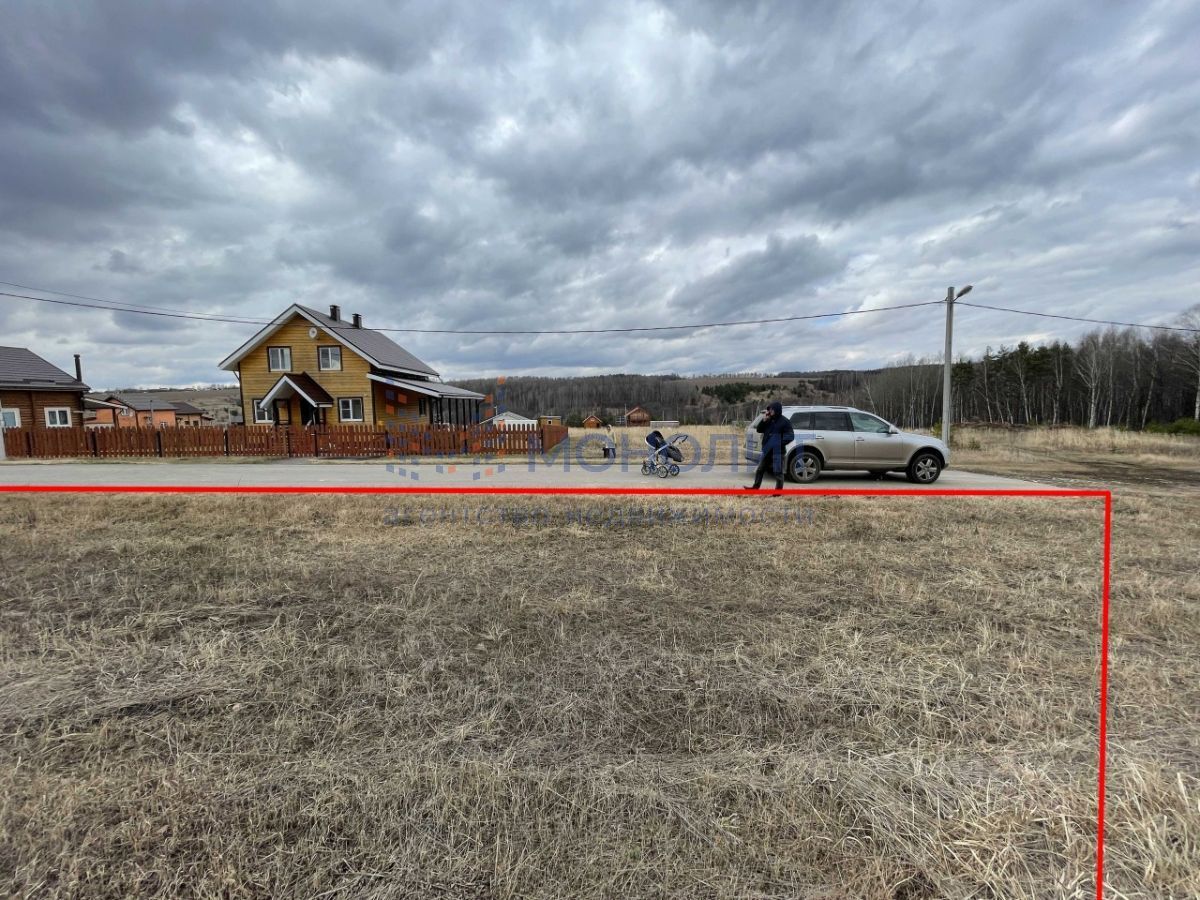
x,y
804,466
924,468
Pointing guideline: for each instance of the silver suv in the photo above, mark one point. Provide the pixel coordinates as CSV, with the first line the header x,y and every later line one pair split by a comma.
x,y
841,437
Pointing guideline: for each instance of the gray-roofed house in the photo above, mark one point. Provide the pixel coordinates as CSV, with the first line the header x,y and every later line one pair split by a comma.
x,y
190,415
36,393
307,368
137,410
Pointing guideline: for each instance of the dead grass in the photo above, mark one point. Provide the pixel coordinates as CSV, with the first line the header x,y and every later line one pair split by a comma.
x,y
1104,456
252,697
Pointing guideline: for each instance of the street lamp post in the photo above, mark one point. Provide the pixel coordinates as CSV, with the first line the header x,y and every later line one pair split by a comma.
x,y
948,360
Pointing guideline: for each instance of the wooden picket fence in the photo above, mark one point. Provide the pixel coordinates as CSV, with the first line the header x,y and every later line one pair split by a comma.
x,y
329,441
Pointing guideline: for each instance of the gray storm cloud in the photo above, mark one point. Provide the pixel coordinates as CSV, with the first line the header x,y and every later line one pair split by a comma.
x,y
593,165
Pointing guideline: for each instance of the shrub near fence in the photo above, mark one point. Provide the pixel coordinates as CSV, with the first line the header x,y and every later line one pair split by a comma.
x,y
331,441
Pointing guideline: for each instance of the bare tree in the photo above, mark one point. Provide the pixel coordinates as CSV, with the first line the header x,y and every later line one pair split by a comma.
x,y
1189,356
1089,365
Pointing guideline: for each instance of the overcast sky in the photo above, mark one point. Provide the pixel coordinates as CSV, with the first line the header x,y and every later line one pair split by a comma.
x,y
589,165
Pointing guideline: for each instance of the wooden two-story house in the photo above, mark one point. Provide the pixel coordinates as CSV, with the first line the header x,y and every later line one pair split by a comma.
x,y
308,368
35,393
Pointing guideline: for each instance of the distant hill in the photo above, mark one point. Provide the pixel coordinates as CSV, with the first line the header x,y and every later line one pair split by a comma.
x,y
223,402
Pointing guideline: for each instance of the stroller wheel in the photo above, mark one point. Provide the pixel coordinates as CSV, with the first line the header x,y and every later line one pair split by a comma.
x,y
662,472
646,468
674,469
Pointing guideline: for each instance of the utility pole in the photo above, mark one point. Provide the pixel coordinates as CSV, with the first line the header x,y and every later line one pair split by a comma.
x,y
948,362
3,452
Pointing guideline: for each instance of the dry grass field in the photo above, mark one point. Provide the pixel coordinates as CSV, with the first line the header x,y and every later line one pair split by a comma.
x,y
506,697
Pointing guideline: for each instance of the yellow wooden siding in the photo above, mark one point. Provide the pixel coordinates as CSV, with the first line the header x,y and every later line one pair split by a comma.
x,y
257,378
395,407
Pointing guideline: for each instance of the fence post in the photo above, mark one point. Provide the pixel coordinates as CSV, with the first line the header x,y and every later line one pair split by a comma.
x,y
226,440
158,442
316,445
287,440
92,441
29,441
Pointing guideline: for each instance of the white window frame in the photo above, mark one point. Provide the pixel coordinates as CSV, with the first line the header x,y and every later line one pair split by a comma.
x,y
320,360
15,413
351,400
57,409
262,416
270,363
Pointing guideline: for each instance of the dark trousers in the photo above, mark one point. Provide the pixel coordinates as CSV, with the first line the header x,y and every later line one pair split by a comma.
x,y
768,462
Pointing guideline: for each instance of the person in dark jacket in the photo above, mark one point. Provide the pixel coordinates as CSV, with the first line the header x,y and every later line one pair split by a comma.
x,y
776,434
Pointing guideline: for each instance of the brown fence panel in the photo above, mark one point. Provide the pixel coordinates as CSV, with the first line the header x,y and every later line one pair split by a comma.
x,y
352,441
553,435
114,443
192,441
16,442
257,441
56,442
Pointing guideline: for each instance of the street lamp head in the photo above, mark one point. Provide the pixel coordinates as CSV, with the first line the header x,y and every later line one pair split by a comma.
x,y
965,291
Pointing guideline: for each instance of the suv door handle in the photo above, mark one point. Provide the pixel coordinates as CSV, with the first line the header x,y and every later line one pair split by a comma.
x,y
857,439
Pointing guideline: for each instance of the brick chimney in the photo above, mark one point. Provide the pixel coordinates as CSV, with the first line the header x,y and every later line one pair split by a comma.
x,y
78,369
357,320
335,312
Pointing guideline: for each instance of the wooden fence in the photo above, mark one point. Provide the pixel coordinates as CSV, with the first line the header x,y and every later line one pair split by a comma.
x,y
330,441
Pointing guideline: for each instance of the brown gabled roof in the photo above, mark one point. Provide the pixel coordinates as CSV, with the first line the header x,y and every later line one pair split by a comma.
x,y
385,352
302,383
377,349
25,370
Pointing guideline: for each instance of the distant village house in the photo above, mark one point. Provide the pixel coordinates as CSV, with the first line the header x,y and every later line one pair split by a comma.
x,y
637,416
508,417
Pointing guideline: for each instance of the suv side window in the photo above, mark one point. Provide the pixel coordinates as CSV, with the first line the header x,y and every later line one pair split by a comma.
x,y
869,423
801,420
831,421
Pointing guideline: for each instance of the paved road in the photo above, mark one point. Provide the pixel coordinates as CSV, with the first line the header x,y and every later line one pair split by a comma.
x,y
426,474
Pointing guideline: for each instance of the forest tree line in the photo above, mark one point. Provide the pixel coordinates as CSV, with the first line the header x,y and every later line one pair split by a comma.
x,y
1116,377
1129,378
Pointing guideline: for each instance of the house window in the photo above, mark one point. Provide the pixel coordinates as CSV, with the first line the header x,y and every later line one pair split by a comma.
x,y
261,416
279,359
329,359
350,409
58,417
11,418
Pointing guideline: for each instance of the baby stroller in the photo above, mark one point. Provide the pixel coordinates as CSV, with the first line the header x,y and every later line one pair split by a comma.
x,y
665,455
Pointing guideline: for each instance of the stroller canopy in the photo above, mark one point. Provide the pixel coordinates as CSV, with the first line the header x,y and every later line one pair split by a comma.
x,y
655,439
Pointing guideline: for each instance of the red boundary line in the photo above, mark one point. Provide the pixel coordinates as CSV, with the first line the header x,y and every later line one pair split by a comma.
x,y
1106,578
430,489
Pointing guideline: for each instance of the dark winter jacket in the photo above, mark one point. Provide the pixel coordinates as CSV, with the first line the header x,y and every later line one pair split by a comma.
x,y
776,434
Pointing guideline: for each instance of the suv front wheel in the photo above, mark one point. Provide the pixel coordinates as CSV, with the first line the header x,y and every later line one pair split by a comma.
x,y
924,468
804,466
